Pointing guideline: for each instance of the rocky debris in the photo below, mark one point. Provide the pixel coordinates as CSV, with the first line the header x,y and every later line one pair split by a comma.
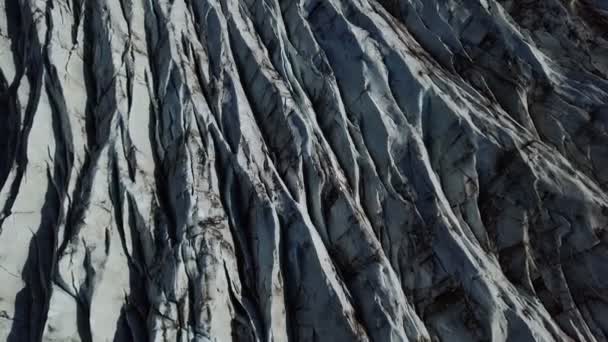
x,y
309,170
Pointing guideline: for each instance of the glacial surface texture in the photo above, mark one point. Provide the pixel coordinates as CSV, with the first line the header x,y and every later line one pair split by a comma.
x,y
303,170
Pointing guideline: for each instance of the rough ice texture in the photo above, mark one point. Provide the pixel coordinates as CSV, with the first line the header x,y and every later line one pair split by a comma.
x,y
303,170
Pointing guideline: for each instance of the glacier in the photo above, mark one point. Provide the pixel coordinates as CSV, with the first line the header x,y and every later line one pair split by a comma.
x,y
303,170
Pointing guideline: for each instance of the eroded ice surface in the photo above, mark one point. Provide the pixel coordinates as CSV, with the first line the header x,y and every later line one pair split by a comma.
x,y
303,170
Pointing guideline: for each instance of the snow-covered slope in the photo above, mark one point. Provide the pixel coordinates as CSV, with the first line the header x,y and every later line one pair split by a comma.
x,y
303,170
